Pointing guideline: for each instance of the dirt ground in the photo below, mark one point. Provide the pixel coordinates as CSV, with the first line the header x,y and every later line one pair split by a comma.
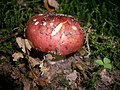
x,y
69,73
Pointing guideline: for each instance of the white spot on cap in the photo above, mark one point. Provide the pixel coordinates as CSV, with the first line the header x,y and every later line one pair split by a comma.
x,y
40,14
74,27
51,24
44,23
34,19
63,36
57,29
36,23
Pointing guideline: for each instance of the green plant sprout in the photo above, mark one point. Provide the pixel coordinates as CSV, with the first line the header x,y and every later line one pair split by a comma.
x,y
105,62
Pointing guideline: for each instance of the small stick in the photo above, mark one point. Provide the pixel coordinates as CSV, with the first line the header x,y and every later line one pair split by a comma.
x,y
41,81
87,41
4,39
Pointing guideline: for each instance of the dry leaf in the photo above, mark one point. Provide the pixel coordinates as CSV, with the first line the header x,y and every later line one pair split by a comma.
x,y
21,43
72,76
105,77
48,57
33,61
26,84
53,3
20,2
21,65
24,44
17,55
46,72
43,68
79,66
40,80
27,44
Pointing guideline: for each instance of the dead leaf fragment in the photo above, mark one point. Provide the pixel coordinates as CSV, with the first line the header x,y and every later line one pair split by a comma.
x,y
17,55
72,76
43,68
28,44
53,3
24,44
105,77
20,2
26,84
33,61
21,43
48,57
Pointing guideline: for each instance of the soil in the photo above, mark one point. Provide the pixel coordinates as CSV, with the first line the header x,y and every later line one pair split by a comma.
x,y
70,73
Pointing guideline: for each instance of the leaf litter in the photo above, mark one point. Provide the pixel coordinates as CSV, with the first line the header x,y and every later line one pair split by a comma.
x,y
44,71
47,72
69,73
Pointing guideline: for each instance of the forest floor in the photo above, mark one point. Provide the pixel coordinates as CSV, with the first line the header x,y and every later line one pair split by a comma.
x,y
96,66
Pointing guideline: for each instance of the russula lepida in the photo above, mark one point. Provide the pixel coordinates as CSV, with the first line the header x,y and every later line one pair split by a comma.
x,y
55,33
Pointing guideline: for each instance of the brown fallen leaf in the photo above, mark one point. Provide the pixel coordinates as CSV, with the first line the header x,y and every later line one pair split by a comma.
x,y
17,55
48,57
34,61
21,43
105,77
34,75
28,44
79,66
44,69
26,84
24,44
72,76
53,3
20,2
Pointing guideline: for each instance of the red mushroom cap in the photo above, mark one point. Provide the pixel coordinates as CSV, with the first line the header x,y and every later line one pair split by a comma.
x,y
55,33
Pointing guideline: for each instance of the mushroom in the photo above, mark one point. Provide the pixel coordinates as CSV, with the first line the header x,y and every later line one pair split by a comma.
x,y
55,33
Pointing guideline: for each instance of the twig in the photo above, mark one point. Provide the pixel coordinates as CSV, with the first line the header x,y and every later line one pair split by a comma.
x,y
4,39
41,81
87,42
